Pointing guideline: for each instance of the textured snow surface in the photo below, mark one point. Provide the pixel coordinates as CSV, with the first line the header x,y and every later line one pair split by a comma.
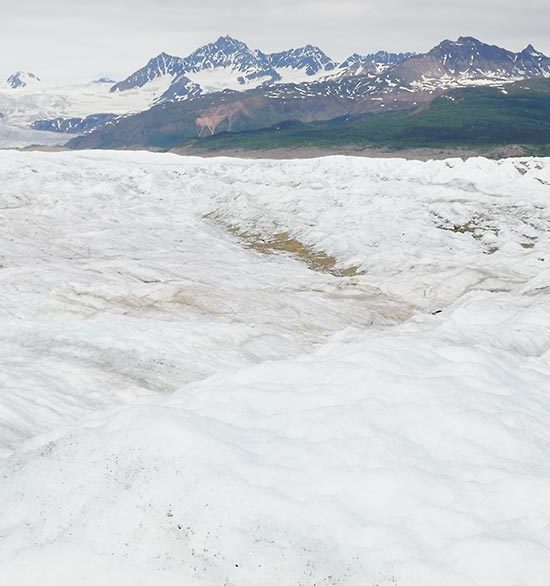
x,y
179,404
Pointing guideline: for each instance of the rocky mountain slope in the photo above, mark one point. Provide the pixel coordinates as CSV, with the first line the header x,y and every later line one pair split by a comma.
x,y
159,66
408,83
309,59
468,61
373,63
229,63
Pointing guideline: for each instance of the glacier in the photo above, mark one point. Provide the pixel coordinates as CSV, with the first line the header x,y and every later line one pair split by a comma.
x,y
326,371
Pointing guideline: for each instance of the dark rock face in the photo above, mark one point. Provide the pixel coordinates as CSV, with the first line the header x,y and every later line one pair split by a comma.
x,y
309,58
159,66
234,55
182,88
373,62
470,59
226,52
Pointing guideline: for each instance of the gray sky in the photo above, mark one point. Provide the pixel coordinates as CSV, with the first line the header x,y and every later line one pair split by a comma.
x,y
76,40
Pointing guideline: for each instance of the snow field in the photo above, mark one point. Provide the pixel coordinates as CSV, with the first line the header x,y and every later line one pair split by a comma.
x,y
177,407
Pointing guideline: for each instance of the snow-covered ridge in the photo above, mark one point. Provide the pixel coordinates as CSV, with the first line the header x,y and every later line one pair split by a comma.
x,y
29,104
229,63
373,63
161,66
310,59
22,79
218,412
231,55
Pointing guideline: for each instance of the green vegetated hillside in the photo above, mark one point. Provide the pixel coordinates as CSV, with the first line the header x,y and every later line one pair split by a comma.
x,y
473,117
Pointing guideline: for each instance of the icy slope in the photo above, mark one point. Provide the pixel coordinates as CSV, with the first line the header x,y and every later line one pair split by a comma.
x,y
29,104
297,450
16,137
116,285
382,459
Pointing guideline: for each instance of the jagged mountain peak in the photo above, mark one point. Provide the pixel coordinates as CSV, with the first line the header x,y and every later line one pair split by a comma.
x,y
163,64
532,52
469,54
484,57
229,42
468,41
234,56
352,60
465,61
309,58
371,63
163,60
462,44
229,63
382,57
22,79
223,52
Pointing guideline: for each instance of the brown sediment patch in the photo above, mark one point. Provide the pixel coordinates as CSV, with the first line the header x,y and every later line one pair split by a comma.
x,y
317,260
476,231
284,243
475,228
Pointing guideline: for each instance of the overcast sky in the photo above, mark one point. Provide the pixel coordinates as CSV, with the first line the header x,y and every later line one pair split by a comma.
x,y
77,40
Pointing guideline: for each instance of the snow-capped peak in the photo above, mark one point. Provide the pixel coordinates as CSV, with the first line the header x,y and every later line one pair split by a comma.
x,y
159,66
530,51
227,63
231,54
309,58
380,57
370,64
22,79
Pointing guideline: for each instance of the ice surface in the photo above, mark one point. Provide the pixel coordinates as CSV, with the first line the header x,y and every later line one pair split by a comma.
x,y
28,104
12,136
181,403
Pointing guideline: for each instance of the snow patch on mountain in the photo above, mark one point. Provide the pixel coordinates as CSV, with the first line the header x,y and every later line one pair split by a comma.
x,y
233,57
162,67
309,59
467,61
22,79
230,64
370,64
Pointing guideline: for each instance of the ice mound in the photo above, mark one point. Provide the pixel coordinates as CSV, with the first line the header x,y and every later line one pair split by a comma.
x,y
182,405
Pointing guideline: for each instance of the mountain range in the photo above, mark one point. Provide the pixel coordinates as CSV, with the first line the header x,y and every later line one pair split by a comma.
x,y
231,64
226,86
